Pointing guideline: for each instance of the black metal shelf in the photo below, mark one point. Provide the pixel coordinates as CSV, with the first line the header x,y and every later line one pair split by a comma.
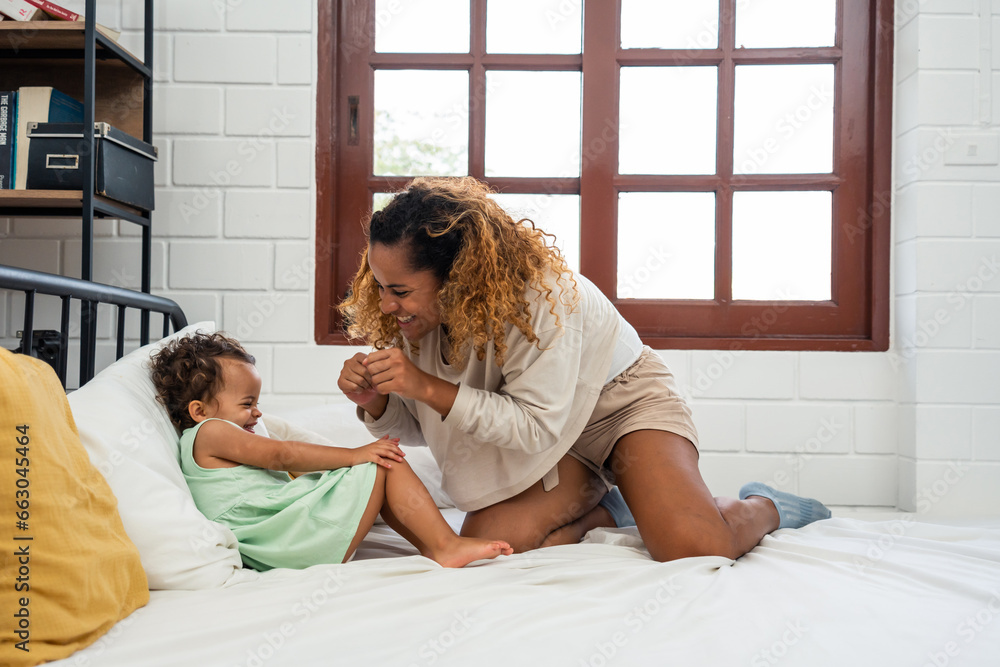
x,y
60,42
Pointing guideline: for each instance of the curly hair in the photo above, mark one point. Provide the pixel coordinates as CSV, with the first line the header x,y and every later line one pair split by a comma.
x,y
484,259
189,369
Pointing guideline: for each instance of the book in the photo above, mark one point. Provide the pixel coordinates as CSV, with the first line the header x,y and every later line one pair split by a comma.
x,y
54,10
39,104
42,10
8,110
22,10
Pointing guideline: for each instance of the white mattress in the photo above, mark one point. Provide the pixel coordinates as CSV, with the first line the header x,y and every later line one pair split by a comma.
x,y
847,591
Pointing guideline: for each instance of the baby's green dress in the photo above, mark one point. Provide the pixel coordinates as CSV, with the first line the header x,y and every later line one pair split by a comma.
x,y
280,521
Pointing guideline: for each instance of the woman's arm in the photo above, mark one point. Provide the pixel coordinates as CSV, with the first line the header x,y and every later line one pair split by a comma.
x,y
219,442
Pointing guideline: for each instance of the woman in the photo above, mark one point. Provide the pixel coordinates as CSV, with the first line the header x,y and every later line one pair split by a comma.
x,y
533,393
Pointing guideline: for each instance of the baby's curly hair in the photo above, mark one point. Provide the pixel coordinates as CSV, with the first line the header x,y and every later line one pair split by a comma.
x,y
188,369
483,257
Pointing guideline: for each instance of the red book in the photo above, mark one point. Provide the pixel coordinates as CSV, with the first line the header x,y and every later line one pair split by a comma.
x,y
20,10
54,10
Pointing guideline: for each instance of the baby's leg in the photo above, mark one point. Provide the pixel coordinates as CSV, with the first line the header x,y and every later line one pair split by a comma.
x,y
410,510
371,511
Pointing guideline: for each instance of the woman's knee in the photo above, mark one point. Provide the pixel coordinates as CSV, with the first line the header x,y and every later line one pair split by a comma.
x,y
696,541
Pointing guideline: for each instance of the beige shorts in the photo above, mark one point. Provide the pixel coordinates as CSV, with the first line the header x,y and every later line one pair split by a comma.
x,y
643,397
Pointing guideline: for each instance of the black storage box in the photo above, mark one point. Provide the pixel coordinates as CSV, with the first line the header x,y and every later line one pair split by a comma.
x,y
123,168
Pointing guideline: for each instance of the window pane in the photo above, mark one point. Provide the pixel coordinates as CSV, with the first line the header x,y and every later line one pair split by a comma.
x,y
656,24
668,120
784,119
422,26
554,214
421,123
381,199
533,26
784,23
532,123
782,245
666,245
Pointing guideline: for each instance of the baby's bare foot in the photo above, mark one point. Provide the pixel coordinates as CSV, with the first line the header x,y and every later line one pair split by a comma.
x,y
463,550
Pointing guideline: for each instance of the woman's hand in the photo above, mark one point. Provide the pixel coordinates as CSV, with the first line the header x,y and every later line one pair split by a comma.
x,y
392,372
380,452
357,384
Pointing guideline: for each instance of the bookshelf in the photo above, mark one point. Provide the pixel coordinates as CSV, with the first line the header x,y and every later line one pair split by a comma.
x,y
56,203
82,60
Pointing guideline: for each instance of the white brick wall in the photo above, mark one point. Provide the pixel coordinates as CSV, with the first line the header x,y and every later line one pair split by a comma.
x,y
214,265
986,433
875,426
935,209
41,255
721,426
947,221
194,213
806,428
986,198
742,374
188,110
918,426
282,112
221,163
118,262
269,316
295,162
172,16
269,214
302,370
261,15
859,376
295,60
243,59
955,37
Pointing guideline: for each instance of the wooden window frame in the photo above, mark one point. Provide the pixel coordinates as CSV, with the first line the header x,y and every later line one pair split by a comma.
x,y
857,316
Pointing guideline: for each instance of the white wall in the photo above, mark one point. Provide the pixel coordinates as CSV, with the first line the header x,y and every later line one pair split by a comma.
x,y
947,248
918,426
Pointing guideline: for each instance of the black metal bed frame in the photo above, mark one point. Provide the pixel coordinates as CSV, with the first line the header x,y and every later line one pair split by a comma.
x,y
90,295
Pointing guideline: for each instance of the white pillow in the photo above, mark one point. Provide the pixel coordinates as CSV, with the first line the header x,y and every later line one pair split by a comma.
x,y
131,441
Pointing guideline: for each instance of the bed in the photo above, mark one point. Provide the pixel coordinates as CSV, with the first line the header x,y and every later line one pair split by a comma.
x,y
863,588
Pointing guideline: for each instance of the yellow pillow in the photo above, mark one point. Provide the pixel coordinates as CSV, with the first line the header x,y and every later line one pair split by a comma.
x,y
69,570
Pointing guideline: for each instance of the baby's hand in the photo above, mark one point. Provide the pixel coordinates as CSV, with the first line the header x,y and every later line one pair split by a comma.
x,y
380,452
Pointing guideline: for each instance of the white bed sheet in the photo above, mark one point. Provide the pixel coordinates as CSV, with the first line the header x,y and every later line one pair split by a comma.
x,y
846,591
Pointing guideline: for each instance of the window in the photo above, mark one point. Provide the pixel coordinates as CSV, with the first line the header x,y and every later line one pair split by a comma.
x,y
719,168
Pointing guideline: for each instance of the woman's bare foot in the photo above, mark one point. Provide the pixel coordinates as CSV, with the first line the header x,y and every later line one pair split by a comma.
x,y
460,551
